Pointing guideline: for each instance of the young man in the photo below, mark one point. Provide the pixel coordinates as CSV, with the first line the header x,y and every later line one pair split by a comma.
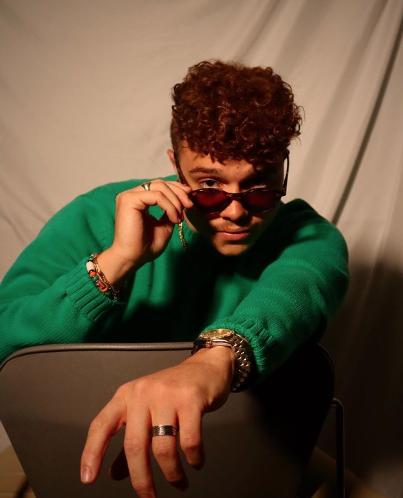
x,y
211,250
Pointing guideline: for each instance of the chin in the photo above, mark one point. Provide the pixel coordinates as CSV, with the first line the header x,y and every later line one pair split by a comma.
x,y
232,249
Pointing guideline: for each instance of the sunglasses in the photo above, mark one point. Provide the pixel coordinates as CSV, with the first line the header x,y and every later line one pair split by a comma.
x,y
255,200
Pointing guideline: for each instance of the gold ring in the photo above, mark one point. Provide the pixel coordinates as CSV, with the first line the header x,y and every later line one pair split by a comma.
x,y
146,185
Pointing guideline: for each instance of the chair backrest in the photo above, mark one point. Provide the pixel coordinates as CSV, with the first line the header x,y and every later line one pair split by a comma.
x,y
256,445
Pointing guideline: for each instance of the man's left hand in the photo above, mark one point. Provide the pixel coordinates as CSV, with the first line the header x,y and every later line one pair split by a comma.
x,y
177,396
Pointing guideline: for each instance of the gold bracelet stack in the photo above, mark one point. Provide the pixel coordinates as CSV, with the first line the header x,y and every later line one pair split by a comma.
x,y
97,276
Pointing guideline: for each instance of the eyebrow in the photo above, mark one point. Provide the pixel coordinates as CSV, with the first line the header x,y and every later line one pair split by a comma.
x,y
217,172
206,171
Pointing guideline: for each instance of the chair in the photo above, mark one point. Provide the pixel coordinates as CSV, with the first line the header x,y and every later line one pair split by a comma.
x,y
256,445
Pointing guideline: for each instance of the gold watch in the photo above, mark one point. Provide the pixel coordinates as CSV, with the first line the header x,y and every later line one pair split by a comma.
x,y
240,346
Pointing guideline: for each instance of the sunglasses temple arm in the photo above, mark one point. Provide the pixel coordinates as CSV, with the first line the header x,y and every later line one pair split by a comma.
x,y
284,189
180,174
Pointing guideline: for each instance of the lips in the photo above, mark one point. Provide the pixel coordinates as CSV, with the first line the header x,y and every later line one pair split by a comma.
x,y
233,235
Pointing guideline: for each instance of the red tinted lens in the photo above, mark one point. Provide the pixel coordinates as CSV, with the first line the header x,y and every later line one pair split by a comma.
x,y
213,200
210,200
260,200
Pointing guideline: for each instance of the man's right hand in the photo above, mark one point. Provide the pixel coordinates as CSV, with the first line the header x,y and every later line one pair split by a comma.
x,y
139,237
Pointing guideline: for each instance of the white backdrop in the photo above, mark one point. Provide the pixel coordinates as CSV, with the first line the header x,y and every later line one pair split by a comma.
x,y
85,100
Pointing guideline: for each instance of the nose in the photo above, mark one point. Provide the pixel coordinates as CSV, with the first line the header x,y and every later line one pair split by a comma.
x,y
234,211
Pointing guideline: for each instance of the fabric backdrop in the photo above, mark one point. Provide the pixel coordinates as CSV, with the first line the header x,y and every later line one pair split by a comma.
x,y
85,100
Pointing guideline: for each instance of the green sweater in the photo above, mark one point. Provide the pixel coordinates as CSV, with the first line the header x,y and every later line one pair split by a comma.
x,y
278,295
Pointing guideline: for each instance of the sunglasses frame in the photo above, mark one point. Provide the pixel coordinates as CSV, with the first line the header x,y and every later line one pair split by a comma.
x,y
238,196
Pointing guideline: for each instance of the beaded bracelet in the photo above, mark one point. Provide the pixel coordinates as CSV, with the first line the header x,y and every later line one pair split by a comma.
x,y
96,275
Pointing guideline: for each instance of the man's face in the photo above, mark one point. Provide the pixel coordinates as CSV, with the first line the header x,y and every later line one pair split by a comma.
x,y
234,230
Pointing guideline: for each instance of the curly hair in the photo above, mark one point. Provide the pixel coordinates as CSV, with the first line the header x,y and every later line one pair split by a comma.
x,y
232,111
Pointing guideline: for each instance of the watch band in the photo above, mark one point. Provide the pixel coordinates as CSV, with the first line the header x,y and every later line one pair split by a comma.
x,y
242,352
240,346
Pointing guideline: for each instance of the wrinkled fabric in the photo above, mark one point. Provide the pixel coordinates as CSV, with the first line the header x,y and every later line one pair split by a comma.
x,y
85,100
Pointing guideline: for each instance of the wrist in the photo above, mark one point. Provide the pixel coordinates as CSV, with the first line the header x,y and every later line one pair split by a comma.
x,y
220,359
226,338
115,268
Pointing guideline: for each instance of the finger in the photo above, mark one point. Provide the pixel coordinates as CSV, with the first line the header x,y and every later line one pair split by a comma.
x,y
174,192
163,223
103,427
173,203
119,469
183,186
180,185
172,207
141,201
182,191
166,453
136,447
190,437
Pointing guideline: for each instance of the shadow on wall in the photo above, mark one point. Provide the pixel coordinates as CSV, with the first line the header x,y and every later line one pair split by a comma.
x,y
365,341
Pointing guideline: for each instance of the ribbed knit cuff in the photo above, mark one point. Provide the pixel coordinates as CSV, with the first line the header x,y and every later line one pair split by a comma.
x,y
86,297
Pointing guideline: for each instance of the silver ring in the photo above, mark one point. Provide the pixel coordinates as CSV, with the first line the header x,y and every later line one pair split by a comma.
x,y
164,430
146,185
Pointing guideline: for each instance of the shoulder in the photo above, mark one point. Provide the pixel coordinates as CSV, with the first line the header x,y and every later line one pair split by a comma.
x,y
111,190
299,209
299,228
298,215
100,200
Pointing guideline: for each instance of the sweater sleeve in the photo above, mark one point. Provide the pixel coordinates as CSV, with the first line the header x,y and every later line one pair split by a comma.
x,y
295,294
47,296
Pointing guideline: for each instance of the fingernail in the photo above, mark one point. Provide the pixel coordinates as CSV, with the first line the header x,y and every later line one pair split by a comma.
x,y
86,474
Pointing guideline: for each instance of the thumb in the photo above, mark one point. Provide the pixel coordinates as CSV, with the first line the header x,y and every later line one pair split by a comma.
x,y
165,223
162,230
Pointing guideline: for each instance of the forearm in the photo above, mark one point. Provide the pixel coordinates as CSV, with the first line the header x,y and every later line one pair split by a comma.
x,y
47,295
67,311
276,322
296,293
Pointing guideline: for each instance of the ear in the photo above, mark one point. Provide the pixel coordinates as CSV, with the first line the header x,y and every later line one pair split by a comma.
x,y
171,156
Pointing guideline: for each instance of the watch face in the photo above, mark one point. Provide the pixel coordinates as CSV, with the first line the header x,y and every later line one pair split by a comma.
x,y
217,334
